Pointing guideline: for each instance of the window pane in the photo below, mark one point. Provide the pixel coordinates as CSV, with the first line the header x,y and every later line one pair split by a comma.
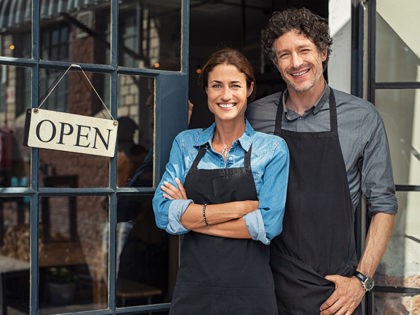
x,y
15,96
400,110
15,26
76,32
397,45
14,254
400,264
150,34
142,254
70,260
135,131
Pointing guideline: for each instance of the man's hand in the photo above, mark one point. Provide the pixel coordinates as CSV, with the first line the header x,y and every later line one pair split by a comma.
x,y
347,296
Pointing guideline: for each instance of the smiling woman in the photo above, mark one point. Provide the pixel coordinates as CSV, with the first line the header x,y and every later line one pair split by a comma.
x,y
224,207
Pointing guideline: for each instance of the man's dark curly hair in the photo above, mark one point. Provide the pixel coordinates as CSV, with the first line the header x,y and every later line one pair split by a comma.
x,y
304,22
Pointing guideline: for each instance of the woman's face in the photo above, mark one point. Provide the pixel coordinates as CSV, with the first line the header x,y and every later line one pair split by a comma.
x,y
227,93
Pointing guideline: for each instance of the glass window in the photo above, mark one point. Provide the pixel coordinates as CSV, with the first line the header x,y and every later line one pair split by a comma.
x,y
397,45
150,32
142,254
400,110
15,97
15,28
55,42
71,269
400,264
135,131
14,254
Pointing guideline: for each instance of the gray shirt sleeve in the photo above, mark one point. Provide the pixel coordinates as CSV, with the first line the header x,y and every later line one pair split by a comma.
x,y
363,142
377,182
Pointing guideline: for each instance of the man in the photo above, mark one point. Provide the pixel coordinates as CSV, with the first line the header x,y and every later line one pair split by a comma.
x,y
338,150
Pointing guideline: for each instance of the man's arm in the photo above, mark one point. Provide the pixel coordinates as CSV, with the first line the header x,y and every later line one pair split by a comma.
x,y
348,290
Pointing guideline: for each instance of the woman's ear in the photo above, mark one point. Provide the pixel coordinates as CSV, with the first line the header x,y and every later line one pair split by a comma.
x,y
250,90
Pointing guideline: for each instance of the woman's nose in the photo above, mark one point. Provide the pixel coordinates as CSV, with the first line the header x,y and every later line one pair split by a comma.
x,y
227,93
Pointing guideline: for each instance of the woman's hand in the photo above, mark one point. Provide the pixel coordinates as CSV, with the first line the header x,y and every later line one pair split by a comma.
x,y
172,192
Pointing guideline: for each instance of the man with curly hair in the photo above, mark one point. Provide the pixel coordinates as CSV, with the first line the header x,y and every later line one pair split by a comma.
x,y
338,152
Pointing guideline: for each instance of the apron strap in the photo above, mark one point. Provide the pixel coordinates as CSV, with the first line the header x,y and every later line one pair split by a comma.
x,y
202,151
199,156
333,113
247,159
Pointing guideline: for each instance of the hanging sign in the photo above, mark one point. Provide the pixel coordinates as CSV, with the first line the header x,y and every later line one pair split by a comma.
x,y
49,129
60,131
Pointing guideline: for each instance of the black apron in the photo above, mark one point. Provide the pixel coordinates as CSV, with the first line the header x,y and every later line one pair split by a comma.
x,y
318,234
219,275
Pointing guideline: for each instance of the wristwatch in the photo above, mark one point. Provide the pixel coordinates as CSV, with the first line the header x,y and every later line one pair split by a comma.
x,y
367,282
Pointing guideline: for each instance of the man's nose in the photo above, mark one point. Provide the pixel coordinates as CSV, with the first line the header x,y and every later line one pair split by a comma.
x,y
296,60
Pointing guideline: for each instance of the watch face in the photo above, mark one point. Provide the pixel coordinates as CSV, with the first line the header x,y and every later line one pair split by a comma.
x,y
369,283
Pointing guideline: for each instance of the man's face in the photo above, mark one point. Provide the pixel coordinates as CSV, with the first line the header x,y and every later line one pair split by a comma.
x,y
299,62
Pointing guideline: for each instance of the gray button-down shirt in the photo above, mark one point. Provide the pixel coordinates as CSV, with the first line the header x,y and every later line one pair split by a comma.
x,y
362,136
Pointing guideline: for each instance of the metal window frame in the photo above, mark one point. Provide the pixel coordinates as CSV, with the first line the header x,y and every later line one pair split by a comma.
x,y
372,87
170,119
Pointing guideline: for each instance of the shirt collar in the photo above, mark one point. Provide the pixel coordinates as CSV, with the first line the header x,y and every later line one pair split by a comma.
x,y
319,105
206,136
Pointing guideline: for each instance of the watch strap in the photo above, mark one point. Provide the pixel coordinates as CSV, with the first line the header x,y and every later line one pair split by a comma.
x,y
367,282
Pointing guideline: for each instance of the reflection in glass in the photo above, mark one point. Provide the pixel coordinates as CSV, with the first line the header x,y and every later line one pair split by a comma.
x,y
71,31
400,110
150,34
70,254
393,303
14,254
142,254
15,29
15,96
399,266
397,46
135,132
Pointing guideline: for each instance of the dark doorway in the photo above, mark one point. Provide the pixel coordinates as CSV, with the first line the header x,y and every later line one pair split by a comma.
x,y
237,24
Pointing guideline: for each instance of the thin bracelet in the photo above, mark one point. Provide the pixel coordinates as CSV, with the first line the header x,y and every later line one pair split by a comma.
x,y
204,215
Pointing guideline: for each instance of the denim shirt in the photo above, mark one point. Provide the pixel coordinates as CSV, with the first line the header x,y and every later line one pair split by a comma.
x,y
270,169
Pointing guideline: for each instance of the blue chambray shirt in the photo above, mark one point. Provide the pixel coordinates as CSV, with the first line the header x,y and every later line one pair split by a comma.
x,y
270,169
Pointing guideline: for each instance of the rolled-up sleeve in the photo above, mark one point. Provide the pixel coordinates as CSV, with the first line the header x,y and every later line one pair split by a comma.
x,y
377,179
255,225
176,210
267,222
167,212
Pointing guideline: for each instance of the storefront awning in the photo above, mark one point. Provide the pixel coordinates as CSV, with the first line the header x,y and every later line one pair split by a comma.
x,y
15,13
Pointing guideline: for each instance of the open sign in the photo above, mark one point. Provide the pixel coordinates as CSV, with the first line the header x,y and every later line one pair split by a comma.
x,y
70,132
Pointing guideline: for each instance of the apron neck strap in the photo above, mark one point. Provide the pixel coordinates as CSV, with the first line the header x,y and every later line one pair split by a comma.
x,y
202,151
333,113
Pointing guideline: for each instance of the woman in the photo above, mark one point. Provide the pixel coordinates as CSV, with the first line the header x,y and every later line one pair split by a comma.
x,y
224,188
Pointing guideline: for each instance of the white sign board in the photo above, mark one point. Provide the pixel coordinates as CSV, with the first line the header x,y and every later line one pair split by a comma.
x,y
69,132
